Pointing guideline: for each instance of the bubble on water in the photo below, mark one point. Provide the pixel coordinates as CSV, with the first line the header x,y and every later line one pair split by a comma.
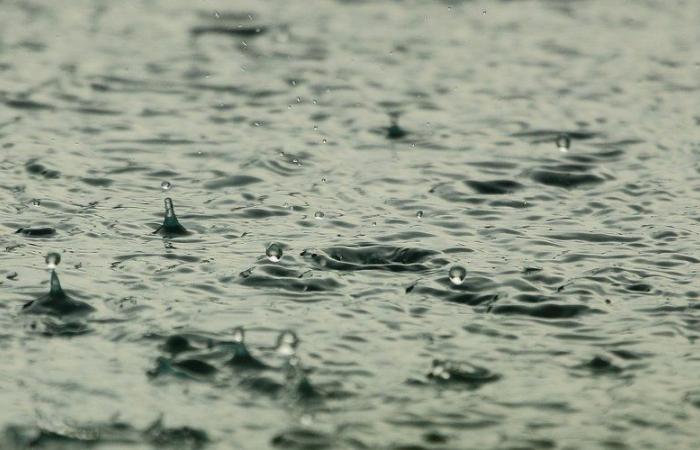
x,y
52,260
274,252
457,275
319,215
287,343
165,186
563,142
239,335
419,214
36,202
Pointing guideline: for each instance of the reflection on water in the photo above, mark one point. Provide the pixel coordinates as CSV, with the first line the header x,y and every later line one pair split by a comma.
x,y
399,224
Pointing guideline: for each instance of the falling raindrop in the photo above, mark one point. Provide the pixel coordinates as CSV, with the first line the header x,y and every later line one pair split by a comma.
x,y
36,202
165,186
52,260
457,275
563,142
319,215
419,214
274,252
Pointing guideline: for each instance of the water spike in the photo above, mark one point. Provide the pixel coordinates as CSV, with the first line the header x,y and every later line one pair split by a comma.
x,y
55,286
239,335
171,226
287,343
56,302
241,356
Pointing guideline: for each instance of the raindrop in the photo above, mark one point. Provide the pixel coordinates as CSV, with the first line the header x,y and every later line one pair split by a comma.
x,y
217,14
325,141
36,202
287,343
419,214
274,252
563,142
323,180
52,260
439,370
319,215
457,275
239,335
165,186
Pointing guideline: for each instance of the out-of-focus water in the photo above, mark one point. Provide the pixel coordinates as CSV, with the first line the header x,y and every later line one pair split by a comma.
x,y
386,179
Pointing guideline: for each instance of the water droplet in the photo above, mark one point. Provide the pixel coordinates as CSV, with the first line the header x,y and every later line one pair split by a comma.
x,y
323,180
419,214
52,260
325,141
12,276
239,335
457,275
274,252
440,370
165,186
217,15
483,12
563,142
287,343
36,202
319,215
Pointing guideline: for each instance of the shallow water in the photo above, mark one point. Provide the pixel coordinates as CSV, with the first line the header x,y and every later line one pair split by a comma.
x,y
576,325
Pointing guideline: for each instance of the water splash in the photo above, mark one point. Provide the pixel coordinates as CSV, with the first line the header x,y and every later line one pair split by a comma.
x,y
171,226
52,259
457,275
241,355
56,302
563,142
274,252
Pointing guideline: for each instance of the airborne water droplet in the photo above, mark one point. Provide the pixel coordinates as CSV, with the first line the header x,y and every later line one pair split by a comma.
x,y
274,252
319,215
239,335
165,186
52,260
457,275
287,343
419,214
563,142
36,202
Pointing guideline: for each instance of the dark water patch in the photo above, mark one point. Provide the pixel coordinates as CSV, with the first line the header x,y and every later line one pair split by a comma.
x,y
36,168
594,237
36,231
494,187
99,182
102,435
539,136
232,181
28,105
303,439
600,365
370,257
565,179
545,311
233,31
